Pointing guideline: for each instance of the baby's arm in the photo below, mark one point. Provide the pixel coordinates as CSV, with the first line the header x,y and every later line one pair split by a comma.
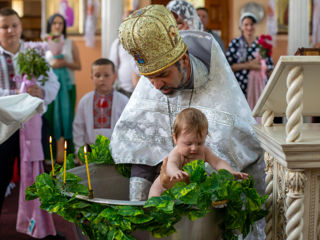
x,y
156,188
173,166
217,163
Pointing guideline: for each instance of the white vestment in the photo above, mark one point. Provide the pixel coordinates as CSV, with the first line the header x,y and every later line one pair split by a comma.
x,y
83,130
143,134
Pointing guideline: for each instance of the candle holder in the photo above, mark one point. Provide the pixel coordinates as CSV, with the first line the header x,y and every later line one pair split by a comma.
x,y
90,195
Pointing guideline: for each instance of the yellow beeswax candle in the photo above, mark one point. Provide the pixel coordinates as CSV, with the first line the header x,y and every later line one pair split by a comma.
x,y
65,162
52,163
86,160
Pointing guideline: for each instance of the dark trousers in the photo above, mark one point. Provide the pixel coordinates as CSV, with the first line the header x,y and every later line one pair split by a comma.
x,y
144,171
9,150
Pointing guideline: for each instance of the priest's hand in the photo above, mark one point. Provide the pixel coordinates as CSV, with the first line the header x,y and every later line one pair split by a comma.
x,y
240,175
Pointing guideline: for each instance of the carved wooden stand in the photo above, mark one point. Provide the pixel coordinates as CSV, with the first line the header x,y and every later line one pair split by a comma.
x,y
292,150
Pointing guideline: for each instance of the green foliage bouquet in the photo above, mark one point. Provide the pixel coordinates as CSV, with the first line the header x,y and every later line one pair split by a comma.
x,y
32,67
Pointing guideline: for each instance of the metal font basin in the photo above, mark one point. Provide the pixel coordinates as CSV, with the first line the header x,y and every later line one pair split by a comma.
x,y
111,188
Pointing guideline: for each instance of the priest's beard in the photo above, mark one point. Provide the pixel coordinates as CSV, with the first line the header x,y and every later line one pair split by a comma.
x,y
183,82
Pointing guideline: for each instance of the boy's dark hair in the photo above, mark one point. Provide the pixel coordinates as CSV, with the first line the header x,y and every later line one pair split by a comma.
x,y
50,21
4,12
103,61
203,8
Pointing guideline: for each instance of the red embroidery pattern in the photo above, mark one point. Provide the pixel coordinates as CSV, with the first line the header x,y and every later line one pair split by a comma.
x,y
10,68
102,108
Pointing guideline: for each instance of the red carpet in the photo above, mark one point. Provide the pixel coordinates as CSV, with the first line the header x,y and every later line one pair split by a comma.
x,y
9,216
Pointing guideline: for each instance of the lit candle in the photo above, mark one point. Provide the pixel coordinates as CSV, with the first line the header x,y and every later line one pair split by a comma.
x,y
86,160
52,164
65,162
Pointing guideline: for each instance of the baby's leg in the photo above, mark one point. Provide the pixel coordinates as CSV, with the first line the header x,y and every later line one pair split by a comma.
x,y
156,188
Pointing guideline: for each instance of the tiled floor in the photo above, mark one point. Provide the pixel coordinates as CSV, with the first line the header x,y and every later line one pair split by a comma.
x,y
9,216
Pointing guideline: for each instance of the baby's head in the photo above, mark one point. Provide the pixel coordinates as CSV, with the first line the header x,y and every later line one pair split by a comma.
x,y
103,75
191,120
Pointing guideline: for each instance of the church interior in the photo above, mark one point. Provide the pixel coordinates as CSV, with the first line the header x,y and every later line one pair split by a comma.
x,y
287,112
223,18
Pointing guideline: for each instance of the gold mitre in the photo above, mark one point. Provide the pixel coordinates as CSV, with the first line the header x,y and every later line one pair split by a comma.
x,y
152,37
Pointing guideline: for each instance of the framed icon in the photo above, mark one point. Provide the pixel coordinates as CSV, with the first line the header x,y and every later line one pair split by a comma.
x,y
72,10
282,12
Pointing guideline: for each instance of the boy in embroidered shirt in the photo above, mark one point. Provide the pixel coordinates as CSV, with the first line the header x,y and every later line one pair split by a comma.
x,y
189,135
99,110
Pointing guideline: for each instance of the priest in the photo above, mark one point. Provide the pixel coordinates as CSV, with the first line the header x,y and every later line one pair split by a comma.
x,y
179,70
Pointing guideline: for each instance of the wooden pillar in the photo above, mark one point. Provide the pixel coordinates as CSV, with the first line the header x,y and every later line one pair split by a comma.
x,y
111,16
295,204
298,32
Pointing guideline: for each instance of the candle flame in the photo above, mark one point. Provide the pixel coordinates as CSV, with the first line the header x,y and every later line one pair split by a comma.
x,y
85,149
65,144
50,139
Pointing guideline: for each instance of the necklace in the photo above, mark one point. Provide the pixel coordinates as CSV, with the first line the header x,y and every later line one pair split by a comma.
x,y
170,114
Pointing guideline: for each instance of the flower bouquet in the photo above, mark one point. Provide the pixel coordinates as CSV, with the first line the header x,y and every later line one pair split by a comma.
x,y
40,47
55,42
31,66
265,46
257,78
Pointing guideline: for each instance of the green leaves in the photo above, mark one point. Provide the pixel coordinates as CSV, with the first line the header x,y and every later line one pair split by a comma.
x,y
244,205
187,194
100,154
196,171
162,203
159,214
33,65
129,211
31,192
70,161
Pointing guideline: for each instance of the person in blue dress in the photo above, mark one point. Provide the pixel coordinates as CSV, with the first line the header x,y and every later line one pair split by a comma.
x,y
240,54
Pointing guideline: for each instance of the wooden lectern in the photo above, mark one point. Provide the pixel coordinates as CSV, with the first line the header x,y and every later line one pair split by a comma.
x,y
292,149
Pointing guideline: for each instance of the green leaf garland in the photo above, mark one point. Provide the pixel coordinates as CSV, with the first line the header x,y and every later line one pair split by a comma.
x,y
159,214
